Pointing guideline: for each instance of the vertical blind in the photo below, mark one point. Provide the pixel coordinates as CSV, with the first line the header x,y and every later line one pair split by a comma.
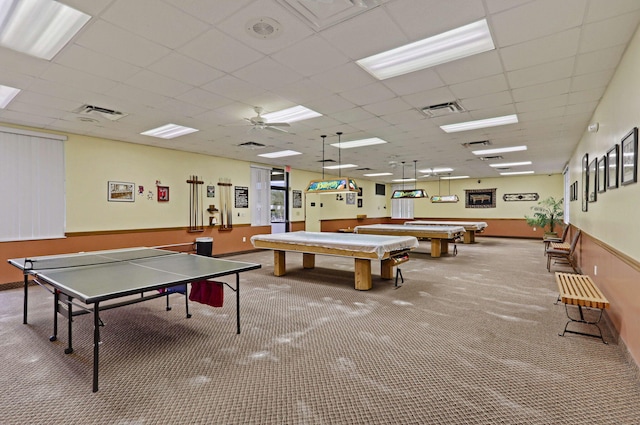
x,y
261,204
401,208
31,185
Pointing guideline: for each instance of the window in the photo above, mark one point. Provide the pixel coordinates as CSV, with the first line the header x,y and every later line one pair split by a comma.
x,y
401,208
32,186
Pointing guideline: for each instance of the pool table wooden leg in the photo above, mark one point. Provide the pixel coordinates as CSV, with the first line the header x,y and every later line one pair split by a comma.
x,y
386,269
468,236
363,274
436,247
308,260
279,267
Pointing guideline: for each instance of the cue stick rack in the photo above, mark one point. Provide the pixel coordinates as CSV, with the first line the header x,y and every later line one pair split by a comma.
x,y
226,212
196,214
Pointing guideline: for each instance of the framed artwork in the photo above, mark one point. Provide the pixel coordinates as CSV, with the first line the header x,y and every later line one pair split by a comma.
x,y
211,191
297,198
585,182
593,180
602,174
629,158
359,202
351,198
612,167
121,191
359,191
163,193
480,198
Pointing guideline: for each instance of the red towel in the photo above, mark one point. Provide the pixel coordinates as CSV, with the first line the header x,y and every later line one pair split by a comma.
x,y
207,292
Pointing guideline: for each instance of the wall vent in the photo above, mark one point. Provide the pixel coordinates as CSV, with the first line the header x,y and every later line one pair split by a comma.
x,y
442,109
100,112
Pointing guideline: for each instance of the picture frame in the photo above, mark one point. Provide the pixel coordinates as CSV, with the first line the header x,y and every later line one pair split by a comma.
x,y
593,180
351,198
121,191
163,193
359,202
629,158
480,198
585,182
602,174
612,167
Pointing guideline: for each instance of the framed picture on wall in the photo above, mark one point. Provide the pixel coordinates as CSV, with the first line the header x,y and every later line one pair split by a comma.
x,y
602,174
585,182
121,191
163,193
629,158
612,167
593,180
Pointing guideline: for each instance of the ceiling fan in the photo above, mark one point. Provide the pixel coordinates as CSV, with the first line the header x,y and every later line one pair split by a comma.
x,y
259,123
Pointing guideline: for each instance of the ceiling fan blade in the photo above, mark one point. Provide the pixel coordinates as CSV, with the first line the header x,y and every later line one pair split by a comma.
x,y
276,129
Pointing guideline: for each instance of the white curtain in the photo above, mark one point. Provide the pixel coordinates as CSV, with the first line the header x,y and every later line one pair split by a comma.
x,y
32,186
401,208
261,196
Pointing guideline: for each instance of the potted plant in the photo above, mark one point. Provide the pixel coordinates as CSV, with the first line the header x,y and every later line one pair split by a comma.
x,y
547,214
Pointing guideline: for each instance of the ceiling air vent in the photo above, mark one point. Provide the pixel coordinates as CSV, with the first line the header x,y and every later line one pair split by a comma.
x,y
442,109
251,145
99,112
478,143
327,160
489,158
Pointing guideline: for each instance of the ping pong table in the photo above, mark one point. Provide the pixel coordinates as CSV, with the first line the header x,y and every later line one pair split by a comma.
x,y
137,274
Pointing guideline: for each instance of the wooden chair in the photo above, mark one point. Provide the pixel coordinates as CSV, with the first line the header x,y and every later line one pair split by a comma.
x,y
564,254
548,239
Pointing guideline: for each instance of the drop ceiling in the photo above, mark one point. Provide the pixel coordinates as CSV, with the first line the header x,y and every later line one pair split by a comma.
x,y
197,64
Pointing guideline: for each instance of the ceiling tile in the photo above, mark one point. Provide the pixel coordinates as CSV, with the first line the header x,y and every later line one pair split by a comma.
x,y
185,69
542,50
540,91
220,51
311,56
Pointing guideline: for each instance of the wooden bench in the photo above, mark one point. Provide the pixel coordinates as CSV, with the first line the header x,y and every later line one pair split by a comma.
x,y
561,245
579,290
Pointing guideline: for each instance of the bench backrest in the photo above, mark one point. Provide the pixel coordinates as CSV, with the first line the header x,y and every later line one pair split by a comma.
x,y
574,241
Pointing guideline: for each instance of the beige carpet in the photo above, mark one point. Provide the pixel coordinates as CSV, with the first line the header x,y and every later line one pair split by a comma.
x,y
470,339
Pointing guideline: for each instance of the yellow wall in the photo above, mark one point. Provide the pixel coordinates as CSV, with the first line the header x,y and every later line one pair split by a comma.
x,y
543,185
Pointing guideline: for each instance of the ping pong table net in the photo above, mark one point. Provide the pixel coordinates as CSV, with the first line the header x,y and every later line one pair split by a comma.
x,y
94,258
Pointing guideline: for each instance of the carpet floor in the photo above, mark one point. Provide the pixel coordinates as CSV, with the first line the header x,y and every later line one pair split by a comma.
x,y
467,339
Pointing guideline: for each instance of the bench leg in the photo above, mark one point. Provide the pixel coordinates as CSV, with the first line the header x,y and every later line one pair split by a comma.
x,y
582,320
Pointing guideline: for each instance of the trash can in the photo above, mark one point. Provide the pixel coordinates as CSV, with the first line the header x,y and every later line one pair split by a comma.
x,y
204,246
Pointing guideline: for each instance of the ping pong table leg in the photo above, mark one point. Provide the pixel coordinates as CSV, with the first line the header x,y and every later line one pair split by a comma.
x,y
26,298
96,344
238,303
56,299
69,300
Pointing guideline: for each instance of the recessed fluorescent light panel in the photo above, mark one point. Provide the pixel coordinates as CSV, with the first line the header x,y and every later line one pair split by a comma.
x,y
442,48
336,167
7,94
500,150
279,154
359,143
454,177
297,113
474,125
436,170
510,164
39,28
377,174
403,180
169,131
514,173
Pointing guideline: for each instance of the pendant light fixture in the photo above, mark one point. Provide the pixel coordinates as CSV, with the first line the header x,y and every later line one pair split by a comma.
x,y
445,198
339,185
413,193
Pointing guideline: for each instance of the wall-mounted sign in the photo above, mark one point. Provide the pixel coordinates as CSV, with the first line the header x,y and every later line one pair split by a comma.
x,y
241,196
520,197
297,199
